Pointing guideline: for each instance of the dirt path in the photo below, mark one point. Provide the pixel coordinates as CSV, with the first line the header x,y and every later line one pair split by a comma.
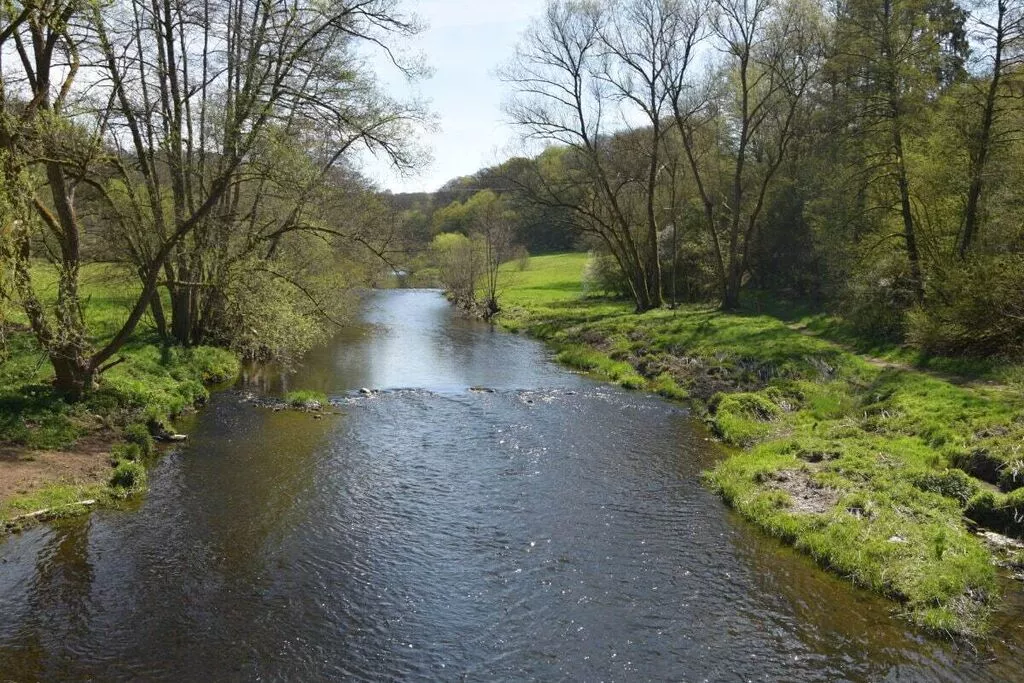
x,y
958,380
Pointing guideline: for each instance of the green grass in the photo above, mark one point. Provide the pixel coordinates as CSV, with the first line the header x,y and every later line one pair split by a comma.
x,y
303,398
877,472
153,384
59,500
545,279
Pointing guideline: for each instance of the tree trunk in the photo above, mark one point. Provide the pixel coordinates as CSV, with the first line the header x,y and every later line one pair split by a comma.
x,y
979,154
181,314
74,374
733,285
906,210
157,308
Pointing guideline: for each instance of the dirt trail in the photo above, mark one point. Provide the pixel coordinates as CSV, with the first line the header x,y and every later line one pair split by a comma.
x,y
958,380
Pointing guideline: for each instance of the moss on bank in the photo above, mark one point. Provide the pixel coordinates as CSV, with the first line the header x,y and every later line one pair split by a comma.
x,y
877,471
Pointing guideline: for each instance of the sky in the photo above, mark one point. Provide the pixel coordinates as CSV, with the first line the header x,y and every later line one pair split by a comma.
x,y
465,43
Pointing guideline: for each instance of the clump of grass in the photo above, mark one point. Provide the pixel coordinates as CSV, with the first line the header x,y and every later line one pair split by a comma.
x,y
580,357
305,398
601,365
138,435
666,385
131,452
129,477
744,418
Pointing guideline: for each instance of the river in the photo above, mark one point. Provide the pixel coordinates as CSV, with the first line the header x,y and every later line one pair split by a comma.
x,y
553,529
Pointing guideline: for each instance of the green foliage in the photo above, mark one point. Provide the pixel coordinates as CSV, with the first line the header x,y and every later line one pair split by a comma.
x,y
304,398
36,417
979,311
459,263
152,384
60,500
601,365
129,477
138,435
951,483
269,317
131,452
603,277
866,468
745,418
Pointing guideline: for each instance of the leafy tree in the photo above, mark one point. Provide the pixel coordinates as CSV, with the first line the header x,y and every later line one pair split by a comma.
x,y
185,104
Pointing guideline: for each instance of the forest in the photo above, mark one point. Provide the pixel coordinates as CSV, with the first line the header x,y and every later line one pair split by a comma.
x,y
856,157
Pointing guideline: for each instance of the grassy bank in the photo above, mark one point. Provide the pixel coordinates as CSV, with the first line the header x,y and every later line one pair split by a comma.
x,y
54,454
878,471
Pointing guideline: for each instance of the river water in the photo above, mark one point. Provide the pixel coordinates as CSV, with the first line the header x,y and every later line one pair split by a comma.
x,y
555,529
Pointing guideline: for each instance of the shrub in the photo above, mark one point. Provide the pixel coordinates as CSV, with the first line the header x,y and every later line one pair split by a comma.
x,y
126,451
602,276
876,301
138,435
978,311
128,476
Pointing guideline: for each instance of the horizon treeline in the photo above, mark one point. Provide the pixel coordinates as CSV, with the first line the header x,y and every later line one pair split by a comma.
x,y
862,156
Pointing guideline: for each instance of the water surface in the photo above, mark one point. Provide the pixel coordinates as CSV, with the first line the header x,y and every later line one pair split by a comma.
x,y
554,529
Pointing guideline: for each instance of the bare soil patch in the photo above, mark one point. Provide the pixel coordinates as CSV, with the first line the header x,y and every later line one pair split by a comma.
x,y
23,471
807,495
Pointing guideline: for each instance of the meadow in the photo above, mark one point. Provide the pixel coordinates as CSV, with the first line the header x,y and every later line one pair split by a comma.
x,y
879,464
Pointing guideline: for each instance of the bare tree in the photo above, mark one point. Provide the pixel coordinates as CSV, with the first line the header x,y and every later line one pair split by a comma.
x,y
1000,35
583,73
751,115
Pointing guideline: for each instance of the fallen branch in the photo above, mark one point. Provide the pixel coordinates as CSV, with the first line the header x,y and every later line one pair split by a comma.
x,y
42,513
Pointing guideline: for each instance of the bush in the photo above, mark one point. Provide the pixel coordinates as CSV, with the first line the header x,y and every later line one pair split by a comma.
x,y
128,476
876,301
126,451
977,310
138,435
602,276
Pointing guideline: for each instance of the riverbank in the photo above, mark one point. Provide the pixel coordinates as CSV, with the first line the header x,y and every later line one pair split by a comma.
x,y
59,459
880,472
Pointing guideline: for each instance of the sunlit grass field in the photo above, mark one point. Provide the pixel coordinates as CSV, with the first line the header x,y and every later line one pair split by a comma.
x,y
876,470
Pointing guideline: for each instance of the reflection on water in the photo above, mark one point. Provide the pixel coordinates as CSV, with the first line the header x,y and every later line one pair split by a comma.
x,y
552,530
